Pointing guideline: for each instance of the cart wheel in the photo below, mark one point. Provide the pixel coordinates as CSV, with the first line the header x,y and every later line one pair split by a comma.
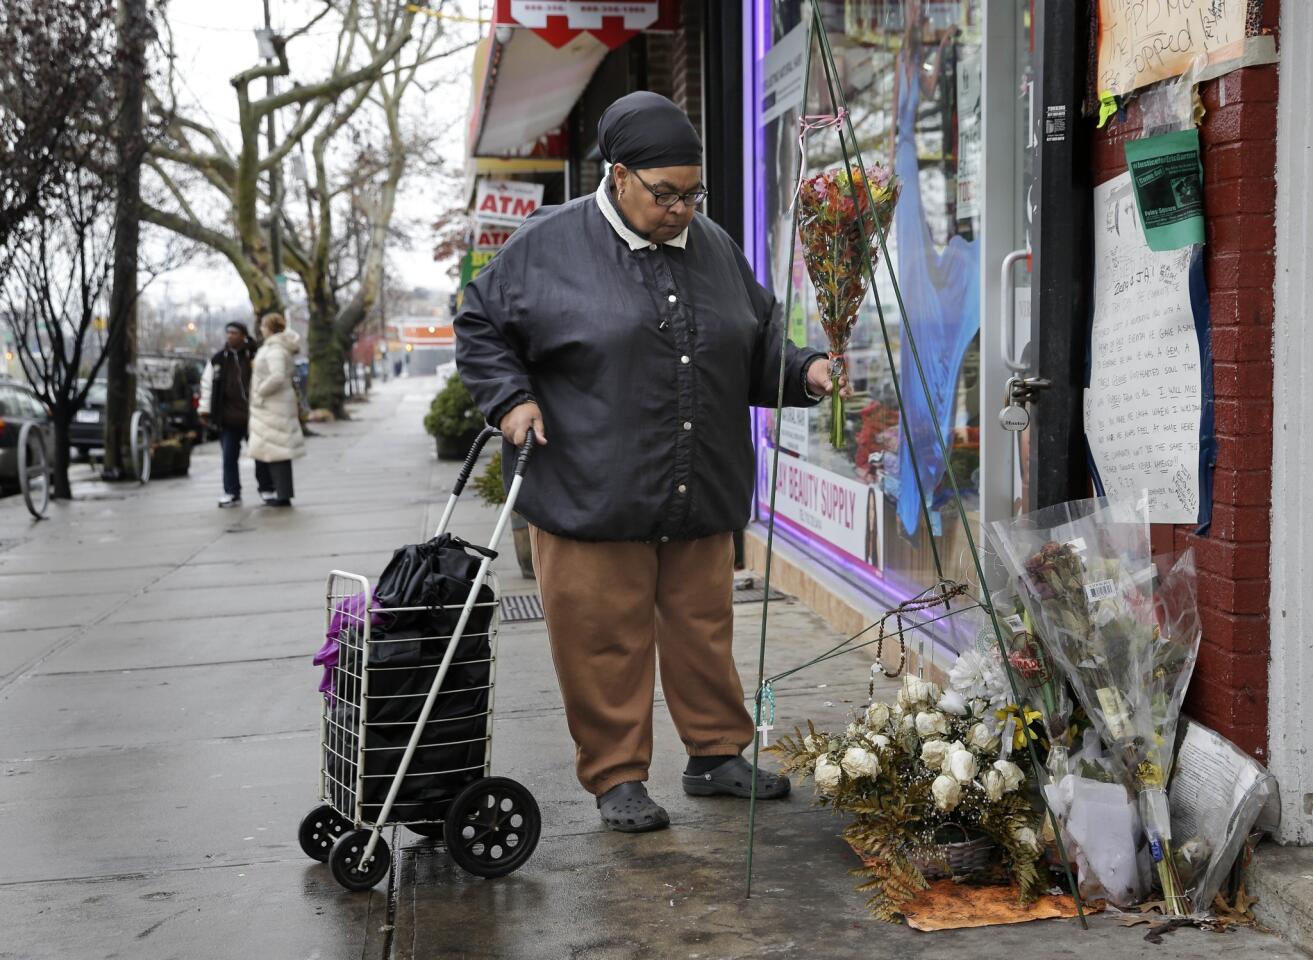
x,y
346,854
430,831
493,827
319,829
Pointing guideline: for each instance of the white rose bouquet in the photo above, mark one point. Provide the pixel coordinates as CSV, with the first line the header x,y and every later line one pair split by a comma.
x,y
913,776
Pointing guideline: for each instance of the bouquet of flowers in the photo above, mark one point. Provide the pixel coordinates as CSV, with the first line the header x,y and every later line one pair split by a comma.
x,y
835,230
912,772
1125,637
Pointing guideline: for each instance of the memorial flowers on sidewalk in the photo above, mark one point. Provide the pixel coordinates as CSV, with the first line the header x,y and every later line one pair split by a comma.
x,y
1125,637
918,781
836,231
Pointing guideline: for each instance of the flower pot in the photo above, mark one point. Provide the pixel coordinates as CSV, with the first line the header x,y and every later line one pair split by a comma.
x,y
523,545
171,458
455,447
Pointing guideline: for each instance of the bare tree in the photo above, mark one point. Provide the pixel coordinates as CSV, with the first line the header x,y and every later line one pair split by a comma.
x,y
54,61
217,192
217,195
54,297
339,252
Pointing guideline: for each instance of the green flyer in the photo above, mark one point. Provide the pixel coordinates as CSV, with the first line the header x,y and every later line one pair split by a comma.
x,y
1169,193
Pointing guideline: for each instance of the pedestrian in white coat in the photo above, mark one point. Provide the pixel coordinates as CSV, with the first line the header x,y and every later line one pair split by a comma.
x,y
276,437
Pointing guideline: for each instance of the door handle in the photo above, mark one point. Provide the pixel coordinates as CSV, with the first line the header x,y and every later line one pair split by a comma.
x,y
1009,304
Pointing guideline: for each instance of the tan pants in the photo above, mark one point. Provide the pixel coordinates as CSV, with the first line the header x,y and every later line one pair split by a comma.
x,y
612,609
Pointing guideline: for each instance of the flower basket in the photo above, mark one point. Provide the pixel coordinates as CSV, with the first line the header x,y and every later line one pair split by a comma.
x,y
972,853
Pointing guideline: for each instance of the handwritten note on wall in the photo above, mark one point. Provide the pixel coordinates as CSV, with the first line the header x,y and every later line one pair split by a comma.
x,y
1145,399
1144,41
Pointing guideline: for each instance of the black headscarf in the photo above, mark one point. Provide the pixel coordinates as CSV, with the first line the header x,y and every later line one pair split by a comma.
x,y
644,130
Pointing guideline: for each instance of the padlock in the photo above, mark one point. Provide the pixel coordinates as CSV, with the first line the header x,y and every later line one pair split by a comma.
x,y
1014,415
1013,418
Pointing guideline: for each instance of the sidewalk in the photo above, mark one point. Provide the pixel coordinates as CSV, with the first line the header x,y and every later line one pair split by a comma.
x,y
158,733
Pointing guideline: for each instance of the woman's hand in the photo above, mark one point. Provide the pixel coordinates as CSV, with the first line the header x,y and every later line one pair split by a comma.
x,y
515,425
819,383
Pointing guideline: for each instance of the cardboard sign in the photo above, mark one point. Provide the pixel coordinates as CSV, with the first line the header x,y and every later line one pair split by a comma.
x,y
506,202
1144,41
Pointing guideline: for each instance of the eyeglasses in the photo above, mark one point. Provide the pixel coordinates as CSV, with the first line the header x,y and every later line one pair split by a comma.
x,y
665,199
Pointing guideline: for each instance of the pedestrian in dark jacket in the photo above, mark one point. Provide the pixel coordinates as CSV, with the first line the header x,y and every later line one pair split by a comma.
x,y
630,334
226,401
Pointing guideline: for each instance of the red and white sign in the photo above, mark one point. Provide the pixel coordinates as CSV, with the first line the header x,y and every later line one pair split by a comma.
x,y
560,21
491,236
506,202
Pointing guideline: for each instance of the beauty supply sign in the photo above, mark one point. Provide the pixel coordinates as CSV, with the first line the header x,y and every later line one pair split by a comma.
x,y
824,503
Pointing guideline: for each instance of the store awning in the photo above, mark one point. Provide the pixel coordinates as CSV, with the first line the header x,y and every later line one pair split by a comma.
x,y
528,89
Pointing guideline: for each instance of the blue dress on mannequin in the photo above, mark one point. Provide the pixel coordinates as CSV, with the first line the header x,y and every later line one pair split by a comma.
x,y
941,293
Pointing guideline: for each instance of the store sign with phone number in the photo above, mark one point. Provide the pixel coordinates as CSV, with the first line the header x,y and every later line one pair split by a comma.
x,y
560,21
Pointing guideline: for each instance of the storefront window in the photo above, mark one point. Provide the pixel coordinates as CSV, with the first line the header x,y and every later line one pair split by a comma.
x,y
911,77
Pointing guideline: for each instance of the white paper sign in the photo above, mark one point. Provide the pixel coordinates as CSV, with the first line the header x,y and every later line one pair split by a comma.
x,y
1145,399
794,430
845,513
969,130
782,74
506,202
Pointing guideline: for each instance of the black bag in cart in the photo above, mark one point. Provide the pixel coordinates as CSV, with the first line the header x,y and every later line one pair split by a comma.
x,y
430,583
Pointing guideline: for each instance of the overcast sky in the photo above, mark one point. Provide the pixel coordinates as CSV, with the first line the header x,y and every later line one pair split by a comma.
x,y
213,41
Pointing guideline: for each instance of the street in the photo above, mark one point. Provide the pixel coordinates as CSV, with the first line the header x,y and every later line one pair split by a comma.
x,y
159,725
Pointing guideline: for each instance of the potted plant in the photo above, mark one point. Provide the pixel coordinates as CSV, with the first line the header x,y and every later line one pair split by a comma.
x,y
171,457
453,420
488,485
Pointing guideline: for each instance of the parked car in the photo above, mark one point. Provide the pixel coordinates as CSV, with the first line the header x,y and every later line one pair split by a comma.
x,y
176,382
87,431
19,405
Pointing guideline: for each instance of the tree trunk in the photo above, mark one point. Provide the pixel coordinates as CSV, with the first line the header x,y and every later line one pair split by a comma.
x,y
120,400
61,489
326,386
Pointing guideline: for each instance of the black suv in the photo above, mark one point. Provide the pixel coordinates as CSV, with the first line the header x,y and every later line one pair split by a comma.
x,y
175,381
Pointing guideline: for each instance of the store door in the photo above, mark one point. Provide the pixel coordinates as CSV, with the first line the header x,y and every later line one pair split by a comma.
x,y
1011,137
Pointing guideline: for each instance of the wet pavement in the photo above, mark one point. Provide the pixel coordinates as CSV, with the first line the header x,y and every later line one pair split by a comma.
x,y
159,725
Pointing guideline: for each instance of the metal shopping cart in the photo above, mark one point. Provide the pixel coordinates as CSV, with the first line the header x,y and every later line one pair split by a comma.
x,y
408,715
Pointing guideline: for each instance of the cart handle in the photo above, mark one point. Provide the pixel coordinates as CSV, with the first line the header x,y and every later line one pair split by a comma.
x,y
526,448
486,434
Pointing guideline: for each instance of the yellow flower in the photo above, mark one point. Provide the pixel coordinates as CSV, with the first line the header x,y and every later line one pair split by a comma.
x,y
1022,728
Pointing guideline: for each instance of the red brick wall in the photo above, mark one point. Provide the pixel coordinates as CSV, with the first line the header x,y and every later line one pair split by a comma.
x,y
1229,691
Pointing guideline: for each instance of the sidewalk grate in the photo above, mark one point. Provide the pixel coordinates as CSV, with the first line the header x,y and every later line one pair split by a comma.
x,y
754,594
527,607
522,608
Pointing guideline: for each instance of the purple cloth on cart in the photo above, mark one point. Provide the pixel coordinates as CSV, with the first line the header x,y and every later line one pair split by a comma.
x,y
353,607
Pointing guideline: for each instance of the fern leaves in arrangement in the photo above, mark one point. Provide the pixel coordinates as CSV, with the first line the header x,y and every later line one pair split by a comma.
x,y
927,790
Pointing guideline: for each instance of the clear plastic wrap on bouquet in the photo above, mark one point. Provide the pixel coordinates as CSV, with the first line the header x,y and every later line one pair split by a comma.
x,y
839,213
1126,638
